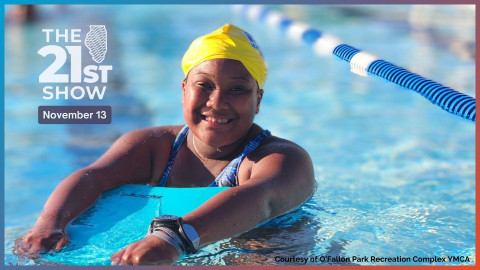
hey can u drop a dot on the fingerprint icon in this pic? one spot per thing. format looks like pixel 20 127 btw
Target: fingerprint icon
pixel 96 42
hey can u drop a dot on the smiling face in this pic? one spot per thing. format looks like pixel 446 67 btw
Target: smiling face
pixel 220 100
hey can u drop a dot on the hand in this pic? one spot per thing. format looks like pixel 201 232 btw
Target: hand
pixel 150 250
pixel 40 239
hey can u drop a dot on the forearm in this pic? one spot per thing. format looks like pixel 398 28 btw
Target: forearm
pixel 126 162
pixel 70 198
pixel 230 213
pixel 269 193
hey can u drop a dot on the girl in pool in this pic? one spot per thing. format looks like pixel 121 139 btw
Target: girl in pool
pixel 220 146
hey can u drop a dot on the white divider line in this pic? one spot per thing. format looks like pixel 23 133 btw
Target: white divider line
pixel 361 61
pixel 326 44
pixel 296 30
pixel 254 12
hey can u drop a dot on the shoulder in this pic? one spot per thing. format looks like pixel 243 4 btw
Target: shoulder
pixel 276 156
pixel 140 154
pixel 154 132
pixel 284 171
pixel 273 146
pixel 161 134
pixel 152 142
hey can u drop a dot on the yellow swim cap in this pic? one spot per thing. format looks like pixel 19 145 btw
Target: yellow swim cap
pixel 228 42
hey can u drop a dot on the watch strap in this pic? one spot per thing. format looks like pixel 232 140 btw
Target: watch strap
pixel 189 246
pixel 173 235
pixel 184 234
pixel 192 235
pixel 170 240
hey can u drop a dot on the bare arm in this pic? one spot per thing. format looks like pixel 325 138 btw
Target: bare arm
pixel 116 167
pixel 280 182
pixel 129 160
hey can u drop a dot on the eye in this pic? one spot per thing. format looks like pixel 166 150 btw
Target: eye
pixel 238 89
pixel 204 85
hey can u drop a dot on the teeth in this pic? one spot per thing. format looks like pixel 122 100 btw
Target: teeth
pixel 214 120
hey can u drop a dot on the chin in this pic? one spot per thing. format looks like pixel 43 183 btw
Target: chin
pixel 217 138
pixel 213 139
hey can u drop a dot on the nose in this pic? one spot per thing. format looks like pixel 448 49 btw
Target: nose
pixel 217 100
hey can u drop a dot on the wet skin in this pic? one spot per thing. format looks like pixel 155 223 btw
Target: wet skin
pixel 220 100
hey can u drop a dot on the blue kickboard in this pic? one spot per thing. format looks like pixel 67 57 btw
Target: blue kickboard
pixel 121 216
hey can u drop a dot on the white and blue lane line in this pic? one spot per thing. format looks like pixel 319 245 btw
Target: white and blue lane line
pixel 361 62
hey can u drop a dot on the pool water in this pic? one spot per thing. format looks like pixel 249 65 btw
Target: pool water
pixel 395 173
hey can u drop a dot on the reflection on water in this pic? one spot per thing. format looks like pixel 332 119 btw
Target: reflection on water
pixel 292 234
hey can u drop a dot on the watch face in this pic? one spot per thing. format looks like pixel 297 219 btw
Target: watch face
pixel 165 221
pixel 192 235
pixel 167 218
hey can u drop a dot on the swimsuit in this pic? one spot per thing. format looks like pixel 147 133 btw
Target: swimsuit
pixel 228 177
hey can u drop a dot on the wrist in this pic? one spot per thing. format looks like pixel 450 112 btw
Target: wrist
pixel 167 237
pixel 56 220
pixel 185 235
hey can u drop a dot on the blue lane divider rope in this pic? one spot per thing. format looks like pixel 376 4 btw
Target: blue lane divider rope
pixel 364 63
pixel 447 98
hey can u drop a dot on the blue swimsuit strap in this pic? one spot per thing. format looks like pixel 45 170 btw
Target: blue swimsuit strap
pixel 228 177
pixel 176 146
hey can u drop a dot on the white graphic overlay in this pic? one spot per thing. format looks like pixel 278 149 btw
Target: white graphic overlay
pixel 96 42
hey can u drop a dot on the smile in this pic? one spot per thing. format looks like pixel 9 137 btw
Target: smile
pixel 216 120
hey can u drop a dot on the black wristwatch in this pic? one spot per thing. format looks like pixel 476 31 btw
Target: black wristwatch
pixel 186 233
